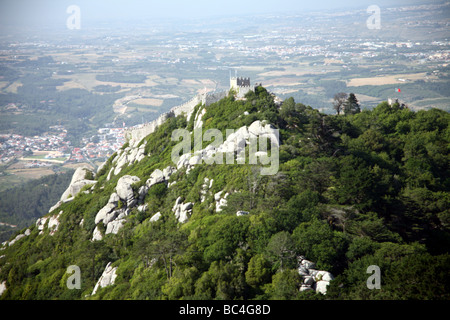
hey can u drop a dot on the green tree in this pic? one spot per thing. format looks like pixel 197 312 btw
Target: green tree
pixel 281 250
pixel 225 236
pixel 355 184
pixel 318 242
pixel 258 271
pixel 285 285
pixel 161 242
pixel 351 105
pixel 338 101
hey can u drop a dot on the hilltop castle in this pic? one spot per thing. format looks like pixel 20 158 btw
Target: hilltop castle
pixel 240 85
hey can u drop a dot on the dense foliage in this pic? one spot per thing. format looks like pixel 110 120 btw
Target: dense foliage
pixel 354 190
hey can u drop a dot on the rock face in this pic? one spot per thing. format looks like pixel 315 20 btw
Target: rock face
pixel 53 223
pixel 107 278
pixel 40 224
pixel 220 201
pixel 234 144
pixel 198 118
pixel 2 287
pixel 77 183
pixel 56 206
pixel 114 226
pixel 155 217
pixel 105 213
pixel 17 238
pixel 207 184
pixel 124 189
pixel 313 279
pixel 126 157
pixel 113 216
pixel 182 210
pixel 97 235
pixel 260 129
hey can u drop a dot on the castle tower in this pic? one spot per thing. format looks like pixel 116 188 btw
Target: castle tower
pixel 233 83
pixel 240 85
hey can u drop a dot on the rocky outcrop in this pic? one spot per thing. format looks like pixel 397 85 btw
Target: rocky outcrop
pixel 105 213
pixel 17 238
pixel 198 118
pixel 156 177
pixel 313 279
pixel 77 183
pixel 126 157
pixel 182 210
pixel 112 215
pixel 114 226
pixel 234 145
pixel 97 235
pixel 220 201
pixel 56 206
pixel 125 191
pixel 101 166
pixel 52 225
pixel 159 176
pixel 206 186
pixel 2 288
pixel 40 224
pixel 107 278
pixel 124 198
pixel 155 217
pixel 265 130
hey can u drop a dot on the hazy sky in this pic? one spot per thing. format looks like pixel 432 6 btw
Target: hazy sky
pixel 31 12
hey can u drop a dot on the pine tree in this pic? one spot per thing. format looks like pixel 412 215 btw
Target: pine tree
pixel 351 106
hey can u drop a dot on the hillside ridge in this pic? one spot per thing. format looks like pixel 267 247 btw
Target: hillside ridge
pixel 348 193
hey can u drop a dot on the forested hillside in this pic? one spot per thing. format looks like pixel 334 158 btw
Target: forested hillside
pixel 354 190
pixel 22 205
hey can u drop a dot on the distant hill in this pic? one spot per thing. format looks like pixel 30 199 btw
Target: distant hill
pixel 23 204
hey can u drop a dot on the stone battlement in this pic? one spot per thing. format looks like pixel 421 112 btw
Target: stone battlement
pixel 240 85
pixel 243 82
pixel 135 134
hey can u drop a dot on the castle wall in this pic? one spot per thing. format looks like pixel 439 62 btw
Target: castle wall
pixel 214 97
pixel 241 86
pixel 136 134
pixel 242 91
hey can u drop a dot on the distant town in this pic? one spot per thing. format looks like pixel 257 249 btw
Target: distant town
pixel 53 147
pixel 66 96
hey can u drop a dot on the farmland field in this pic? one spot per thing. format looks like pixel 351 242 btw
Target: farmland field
pixel 387 79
